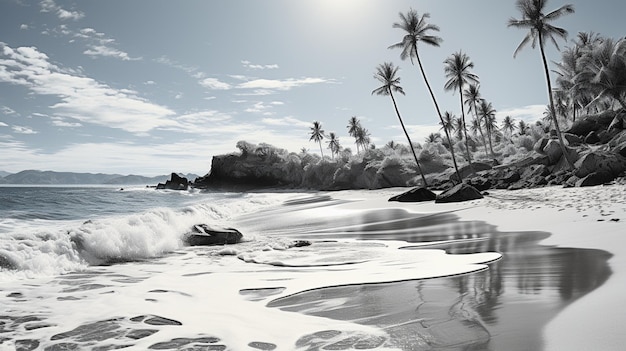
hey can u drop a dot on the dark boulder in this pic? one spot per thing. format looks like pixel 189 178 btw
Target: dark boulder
pixel 595 178
pixel 592 138
pixel 415 195
pixel 176 182
pixel 205 235
pixel 458 193
pixel 471 169
pixel 481 182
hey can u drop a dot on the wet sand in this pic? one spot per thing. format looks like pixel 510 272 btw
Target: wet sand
pixel 510 306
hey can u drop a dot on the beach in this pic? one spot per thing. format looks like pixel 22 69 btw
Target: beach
pixel 533 269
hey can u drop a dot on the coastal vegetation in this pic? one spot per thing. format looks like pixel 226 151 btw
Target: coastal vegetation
pixel 583 125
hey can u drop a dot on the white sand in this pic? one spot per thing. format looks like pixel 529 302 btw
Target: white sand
pixel 577 218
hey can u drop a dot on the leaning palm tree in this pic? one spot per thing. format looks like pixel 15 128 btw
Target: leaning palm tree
pixel 417 29
pixel 317 134
pixel 386 74
pixel 472 96
pixel 333 144
pixel 540 30
pixel 353 125
pixel 457 68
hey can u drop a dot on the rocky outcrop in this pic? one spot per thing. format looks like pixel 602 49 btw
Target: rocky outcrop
pixel 458 193
pixel 206 235
pixel 415 195
pixel 176 182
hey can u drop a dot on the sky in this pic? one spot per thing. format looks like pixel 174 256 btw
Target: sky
pixel 153 86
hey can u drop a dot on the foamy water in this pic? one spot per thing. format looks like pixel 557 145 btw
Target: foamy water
pixel 152 292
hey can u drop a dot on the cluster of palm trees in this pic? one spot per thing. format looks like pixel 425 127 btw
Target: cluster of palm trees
pixel 360 134
pixel 457 69
pixel 591 75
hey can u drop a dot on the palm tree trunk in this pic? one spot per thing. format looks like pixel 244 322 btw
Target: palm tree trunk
pixel 552 111
pixel 408 138
pixel 480 129
pixel 432 95
pixel 322 152
pixel 469 157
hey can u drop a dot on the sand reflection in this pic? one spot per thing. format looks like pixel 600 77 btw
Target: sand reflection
pixel 502 308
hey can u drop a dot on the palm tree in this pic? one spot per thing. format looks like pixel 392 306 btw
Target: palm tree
pixel 472 96
pixel 457 69
pixel 433 138
pixel 317 134
pixel 362 136
pixel 488 115
pixel 508 126
pixel 417 29
pixel 457 128
pixel 386 74
pixel 353 125
pixel 606 70
pixel 540 30
pixel 333 144
pixel 522 127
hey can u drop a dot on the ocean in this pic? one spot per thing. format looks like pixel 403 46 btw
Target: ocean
pixel 103 268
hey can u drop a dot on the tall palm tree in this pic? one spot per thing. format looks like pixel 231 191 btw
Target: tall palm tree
pixel 457 69
pixel 488 115
pixel 417 29
pixel 540 30
pixel 472 96
pixel 353 125
pixel 333 144
pixel 386 74
pixel 317 134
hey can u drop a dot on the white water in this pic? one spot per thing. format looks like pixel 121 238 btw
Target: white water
pixel 219 292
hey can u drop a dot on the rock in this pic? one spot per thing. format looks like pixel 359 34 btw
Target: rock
pixel 480 182
pixel 176 182
pixel 415 195
pixel 589 123
pixel 540 145
pixel 592 138
pixel 621 149
pixel 205 235
pixel 572 139
pixel 552 149
pixel 599 161
pixel 471 169
pixel 595 178
pixel 458 193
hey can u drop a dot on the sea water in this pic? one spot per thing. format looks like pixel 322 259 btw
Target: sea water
pixel 102 268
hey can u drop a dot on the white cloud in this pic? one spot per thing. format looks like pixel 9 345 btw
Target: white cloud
pixel 23 130
pixel 248 64
pixel 285 121
pixel 285 84
pixel 215 84
pixel 178 96
pixel 60 122
pixel 2 124
pixel 530 113
pixel 107 51
pixel 149 82
pixel 7 110
pixel 81 98
pixel 51 6
pixel 24 26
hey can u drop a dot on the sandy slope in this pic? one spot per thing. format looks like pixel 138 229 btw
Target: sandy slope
pixel 592 217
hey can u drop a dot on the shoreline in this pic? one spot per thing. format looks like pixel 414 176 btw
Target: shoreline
pixel 586 218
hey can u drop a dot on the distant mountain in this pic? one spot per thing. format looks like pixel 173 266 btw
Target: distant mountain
pixel 70 178
pixel 137 179
pixel 4 174
pixel 50 177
